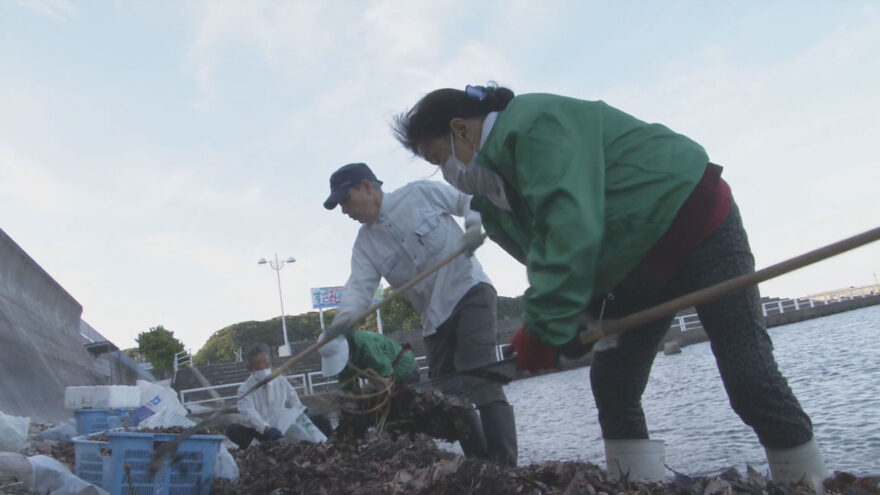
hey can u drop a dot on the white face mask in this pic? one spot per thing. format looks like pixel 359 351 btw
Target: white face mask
pixel 260 374
pixel 457 173
pixel 473 179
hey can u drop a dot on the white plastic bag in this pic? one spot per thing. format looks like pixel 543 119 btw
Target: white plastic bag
pixel 157 398
pixel 166 418
pixel 226 467
pixel 61 433
pixel 13 432
pixel 303 429
pixel 16 466
pixel 286 417
pixel 297 426
pixel 52 477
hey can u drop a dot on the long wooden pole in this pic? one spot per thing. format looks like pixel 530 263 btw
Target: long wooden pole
pixel 611 327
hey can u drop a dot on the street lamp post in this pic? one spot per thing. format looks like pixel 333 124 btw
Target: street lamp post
pixel 277 265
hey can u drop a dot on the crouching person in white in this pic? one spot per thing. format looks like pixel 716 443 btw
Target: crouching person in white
pixel 272 413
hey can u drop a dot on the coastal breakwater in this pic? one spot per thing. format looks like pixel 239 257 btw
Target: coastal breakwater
pixel 687 329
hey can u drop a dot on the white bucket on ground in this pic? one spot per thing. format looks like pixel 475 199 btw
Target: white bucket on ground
pixel 638 459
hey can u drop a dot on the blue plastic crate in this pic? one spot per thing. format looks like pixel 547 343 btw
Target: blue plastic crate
pixel 93 461
pixel 90 421
pixel 190 472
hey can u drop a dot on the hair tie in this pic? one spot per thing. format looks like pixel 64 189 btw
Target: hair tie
pixel 478 93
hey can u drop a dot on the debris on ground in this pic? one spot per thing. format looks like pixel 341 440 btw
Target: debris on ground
pixel 408 412
pixel 392 462
pixel 379 464
pixel 849 484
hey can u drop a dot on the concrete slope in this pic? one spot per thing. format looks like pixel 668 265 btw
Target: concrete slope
pixel 41 351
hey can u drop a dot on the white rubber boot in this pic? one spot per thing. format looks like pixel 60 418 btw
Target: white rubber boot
pixel 803 462
pixel 636 459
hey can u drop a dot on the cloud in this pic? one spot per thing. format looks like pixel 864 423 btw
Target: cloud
pixel 276 32
pixel 166 208
pixel 30 185
pixel 794 136
pixel 751 115
pixel 57 10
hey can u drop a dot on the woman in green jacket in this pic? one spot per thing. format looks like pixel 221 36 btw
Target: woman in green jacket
pixel 612 215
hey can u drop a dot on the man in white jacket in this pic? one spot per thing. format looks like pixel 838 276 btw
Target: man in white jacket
pixel 260 410
pixel 403 233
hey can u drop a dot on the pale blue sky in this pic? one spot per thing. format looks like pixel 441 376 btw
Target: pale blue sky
pixel 151 152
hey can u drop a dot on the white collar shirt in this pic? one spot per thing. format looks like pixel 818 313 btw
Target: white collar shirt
pixel 414 231
pixel 260 409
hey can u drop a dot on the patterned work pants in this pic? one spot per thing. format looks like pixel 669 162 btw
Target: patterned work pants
pixel 758 392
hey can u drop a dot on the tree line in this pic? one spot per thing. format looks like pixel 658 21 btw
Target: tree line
pixel 158 345
pixel 397 316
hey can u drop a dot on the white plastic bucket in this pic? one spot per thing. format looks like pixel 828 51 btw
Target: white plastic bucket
pixel 639 459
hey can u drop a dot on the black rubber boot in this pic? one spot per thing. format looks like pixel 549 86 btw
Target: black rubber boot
pixel 323 423
pixel 499 427
pixel 475 444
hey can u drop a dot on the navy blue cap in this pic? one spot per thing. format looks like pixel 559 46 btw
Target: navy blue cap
pixel 346 177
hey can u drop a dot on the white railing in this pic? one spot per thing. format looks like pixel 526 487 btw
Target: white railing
pixel 499 351
pixel 300 382
pixel 688 322
pixel 313 382
pixel 783 305
pixel 692 322
pixel 316 381
pixel 182 359
pixel 422 362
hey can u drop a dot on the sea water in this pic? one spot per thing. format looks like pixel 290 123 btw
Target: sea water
pixel 831 363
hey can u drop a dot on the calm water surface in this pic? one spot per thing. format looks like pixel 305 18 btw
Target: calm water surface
pixel 832 364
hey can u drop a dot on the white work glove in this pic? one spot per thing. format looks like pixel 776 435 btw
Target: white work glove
pixel 473 236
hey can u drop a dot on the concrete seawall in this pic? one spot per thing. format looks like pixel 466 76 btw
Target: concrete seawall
pixel 41 350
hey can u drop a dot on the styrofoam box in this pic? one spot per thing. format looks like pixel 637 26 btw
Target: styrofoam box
pixel 103 396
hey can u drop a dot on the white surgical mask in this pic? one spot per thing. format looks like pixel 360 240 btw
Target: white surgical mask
pixel 260 374
pixel 473 179
pixel 456 172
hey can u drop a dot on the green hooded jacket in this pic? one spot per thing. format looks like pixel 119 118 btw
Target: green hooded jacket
pixel 591 190
pixel 374 351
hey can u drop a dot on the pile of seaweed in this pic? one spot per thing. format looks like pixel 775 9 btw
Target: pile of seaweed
pixel 378 464
pixel 386 443
pixel 407 412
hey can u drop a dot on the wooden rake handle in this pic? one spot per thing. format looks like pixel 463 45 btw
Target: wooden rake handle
pixel 606 328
